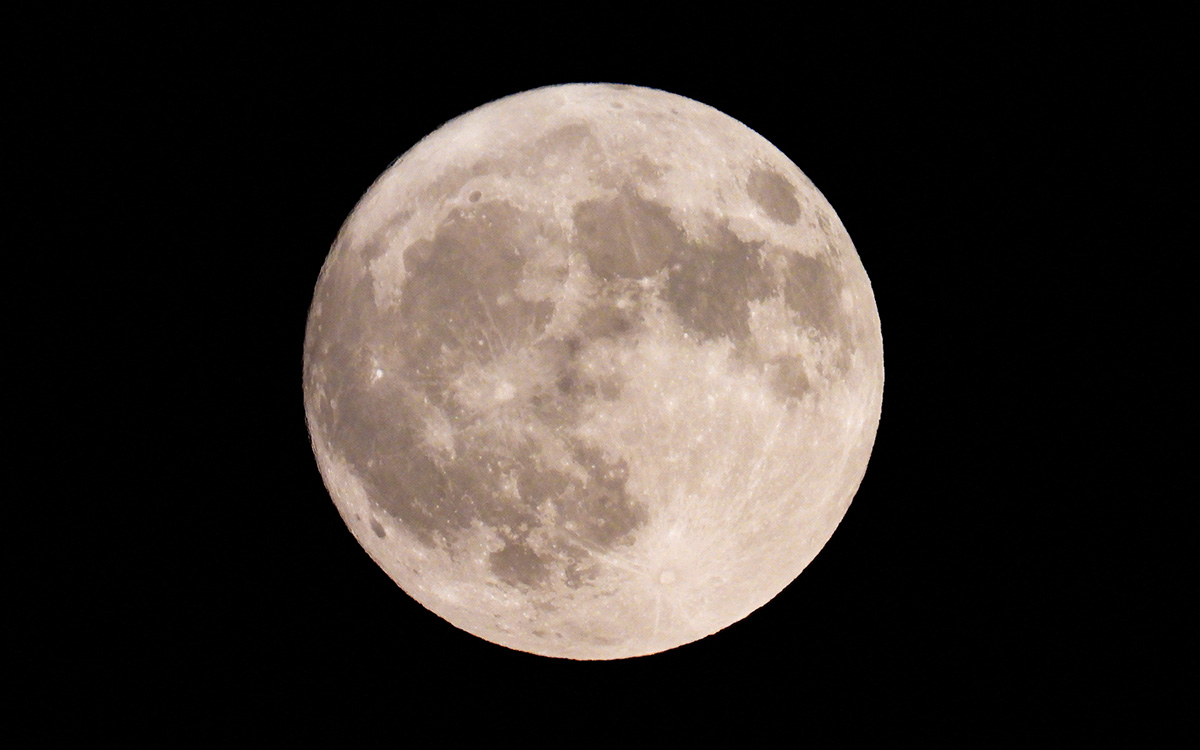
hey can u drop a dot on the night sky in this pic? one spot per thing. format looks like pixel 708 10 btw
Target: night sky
pixel 1001 565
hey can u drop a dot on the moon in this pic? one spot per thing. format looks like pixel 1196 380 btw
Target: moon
pixel 593 371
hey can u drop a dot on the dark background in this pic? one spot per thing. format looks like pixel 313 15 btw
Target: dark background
pixel 1011 564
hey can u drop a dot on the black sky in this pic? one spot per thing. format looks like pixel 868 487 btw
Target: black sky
pixel 998 178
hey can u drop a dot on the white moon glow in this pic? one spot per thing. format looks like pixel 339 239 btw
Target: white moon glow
pixel 593 371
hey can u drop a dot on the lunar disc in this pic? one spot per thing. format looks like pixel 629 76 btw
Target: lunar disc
pixel 593 371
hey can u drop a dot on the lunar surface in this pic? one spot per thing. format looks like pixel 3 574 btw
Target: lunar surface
pixel 593 371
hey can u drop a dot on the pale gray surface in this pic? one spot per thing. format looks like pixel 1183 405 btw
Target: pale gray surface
pixel 593 371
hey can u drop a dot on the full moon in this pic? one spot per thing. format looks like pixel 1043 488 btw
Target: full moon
pixel 593 371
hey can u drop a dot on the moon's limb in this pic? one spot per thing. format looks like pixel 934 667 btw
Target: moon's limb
pixel 593 371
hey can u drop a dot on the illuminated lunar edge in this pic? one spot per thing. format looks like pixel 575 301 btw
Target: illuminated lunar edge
pixel 593 371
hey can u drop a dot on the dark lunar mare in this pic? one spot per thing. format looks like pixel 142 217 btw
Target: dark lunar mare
pixel 710 286
pixel 774 195
pixel 460 309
